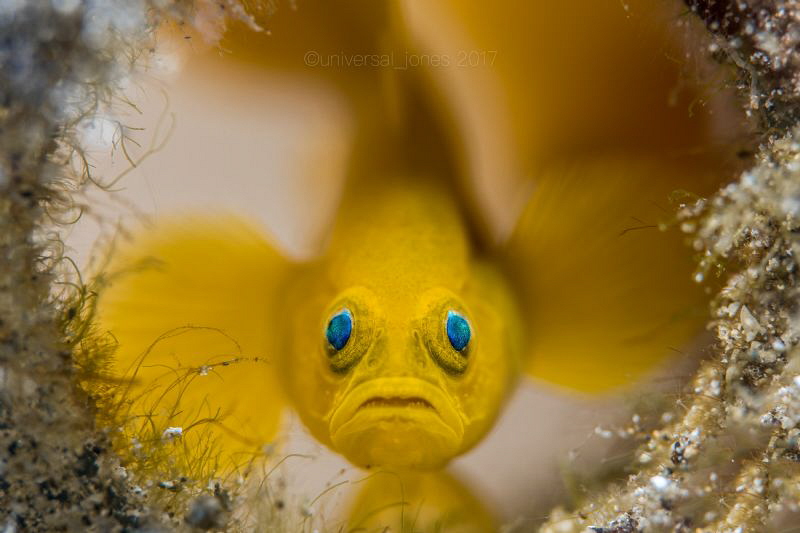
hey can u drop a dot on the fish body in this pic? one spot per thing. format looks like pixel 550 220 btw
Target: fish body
pixel 399 344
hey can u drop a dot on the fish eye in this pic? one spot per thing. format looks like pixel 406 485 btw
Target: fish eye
pixel 458 331
pixel 448 333
pixel 349 328
pixel 339 329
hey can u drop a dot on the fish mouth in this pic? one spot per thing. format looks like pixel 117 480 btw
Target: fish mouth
pixel 383 420
pixel 415 402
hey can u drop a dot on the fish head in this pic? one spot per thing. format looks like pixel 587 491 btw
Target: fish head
pixel 401 354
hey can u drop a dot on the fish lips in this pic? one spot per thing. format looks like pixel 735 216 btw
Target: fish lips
pixel 397 422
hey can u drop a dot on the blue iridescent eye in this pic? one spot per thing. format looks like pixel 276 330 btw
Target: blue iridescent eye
pixel 457 331
pixel 339 329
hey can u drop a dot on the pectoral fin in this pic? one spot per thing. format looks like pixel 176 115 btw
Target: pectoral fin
pixel 604 272
pixel 193 309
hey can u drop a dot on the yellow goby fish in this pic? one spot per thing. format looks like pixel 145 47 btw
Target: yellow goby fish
pixel 399 344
